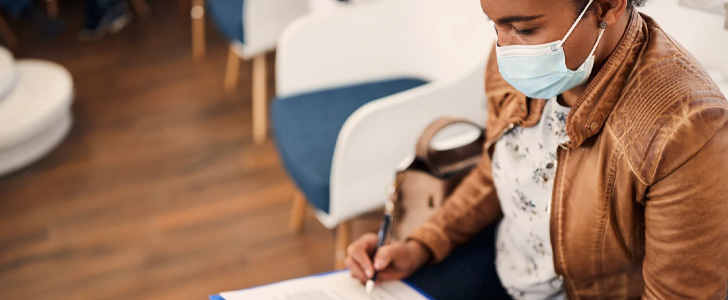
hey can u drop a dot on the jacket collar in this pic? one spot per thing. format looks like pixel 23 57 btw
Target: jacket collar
pixel 593 107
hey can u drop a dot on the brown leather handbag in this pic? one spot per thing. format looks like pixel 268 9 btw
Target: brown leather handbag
pixel 423 186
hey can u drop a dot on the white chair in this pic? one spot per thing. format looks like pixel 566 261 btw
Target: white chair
pixel 445 43
pixel 35 110
pixel 253 28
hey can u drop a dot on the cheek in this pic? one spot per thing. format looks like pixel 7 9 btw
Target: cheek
pixel 578 46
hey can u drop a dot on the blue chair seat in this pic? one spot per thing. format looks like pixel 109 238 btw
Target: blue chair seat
pixel 228 17
pixel 307 126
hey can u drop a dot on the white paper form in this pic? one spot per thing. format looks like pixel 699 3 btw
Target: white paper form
pixel 332 286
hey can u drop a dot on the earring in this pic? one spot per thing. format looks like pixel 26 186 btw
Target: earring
pixel 603 25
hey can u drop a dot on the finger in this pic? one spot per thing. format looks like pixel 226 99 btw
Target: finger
pixel 364 243
pixel 362 259
pixel 370 241
pixel 394 254
pixel 355 270
pixel 384 257
pixel 361 251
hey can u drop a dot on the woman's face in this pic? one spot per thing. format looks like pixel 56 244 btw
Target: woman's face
pixel 532 22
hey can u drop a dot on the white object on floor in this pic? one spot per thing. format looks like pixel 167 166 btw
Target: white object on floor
pixel 35 114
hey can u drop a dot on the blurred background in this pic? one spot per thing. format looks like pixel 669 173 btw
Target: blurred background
pixel 161 149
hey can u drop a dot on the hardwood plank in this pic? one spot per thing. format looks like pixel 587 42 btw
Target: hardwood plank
pixel 159 191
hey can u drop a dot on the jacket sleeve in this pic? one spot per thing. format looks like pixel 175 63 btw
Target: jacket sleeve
pixel 686 213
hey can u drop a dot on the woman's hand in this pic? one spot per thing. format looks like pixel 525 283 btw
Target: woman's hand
pixel 394 261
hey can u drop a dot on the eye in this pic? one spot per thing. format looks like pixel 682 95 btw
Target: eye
pixel 523 31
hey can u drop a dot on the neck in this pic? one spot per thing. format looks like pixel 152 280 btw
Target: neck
pixel 609 42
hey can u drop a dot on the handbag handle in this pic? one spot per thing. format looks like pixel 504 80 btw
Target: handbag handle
pixel 424 149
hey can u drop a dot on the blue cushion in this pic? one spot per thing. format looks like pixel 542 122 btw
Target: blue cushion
pixel 228 16
pixel 307 126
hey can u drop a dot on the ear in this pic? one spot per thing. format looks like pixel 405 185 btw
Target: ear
pixel 610 10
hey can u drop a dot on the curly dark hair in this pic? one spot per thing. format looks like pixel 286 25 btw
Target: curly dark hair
pixel 579 4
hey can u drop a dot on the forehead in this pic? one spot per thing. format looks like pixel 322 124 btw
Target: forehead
pixel 501 8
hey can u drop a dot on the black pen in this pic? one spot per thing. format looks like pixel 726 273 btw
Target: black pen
pixel 382 238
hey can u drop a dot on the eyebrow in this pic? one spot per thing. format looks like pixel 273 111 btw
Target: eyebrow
pixel 511 19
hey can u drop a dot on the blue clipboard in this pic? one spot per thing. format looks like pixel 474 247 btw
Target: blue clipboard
pixel 218 297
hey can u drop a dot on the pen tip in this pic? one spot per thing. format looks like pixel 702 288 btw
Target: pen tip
pixel 370 287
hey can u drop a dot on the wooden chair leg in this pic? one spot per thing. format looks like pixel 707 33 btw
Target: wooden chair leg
pixel 11 41
pixel 183 7
pixel 197 13
pixel 52 8
pixel 298 212
pixel 141 7
pixel 260 102
pixel 343 232
pixel 232 70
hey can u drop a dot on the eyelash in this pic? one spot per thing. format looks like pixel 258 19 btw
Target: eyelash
pixel 523 32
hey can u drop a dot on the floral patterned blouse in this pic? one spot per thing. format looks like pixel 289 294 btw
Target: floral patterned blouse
pixel 524 165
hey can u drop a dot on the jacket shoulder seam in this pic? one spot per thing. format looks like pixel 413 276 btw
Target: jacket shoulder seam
pixel 673 130
pixel 623 150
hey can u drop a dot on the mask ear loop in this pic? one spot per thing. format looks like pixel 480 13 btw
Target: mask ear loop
pixel 603 26
pixel 561 44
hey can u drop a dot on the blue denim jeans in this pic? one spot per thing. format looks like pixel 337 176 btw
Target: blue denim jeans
pixel 467 273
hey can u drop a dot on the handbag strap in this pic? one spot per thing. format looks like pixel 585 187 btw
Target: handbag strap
pixel 424 149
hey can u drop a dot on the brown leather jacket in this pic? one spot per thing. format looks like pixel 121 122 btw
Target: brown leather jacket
pixel 640 198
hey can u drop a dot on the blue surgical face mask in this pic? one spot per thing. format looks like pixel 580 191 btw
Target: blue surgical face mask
pixel 540 71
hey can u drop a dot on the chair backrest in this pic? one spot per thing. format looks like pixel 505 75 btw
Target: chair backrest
pixel 456 32
pixel 265 21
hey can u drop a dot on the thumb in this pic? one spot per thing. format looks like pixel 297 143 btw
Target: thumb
pixel 384 257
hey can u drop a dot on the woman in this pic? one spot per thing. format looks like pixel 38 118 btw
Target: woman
pixel 604 175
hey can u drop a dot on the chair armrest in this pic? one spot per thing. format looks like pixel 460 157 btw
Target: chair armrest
pixel 378 136
pixel 265 21
pixel 351 45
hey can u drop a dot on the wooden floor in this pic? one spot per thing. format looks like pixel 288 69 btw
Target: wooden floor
pixel 158 192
